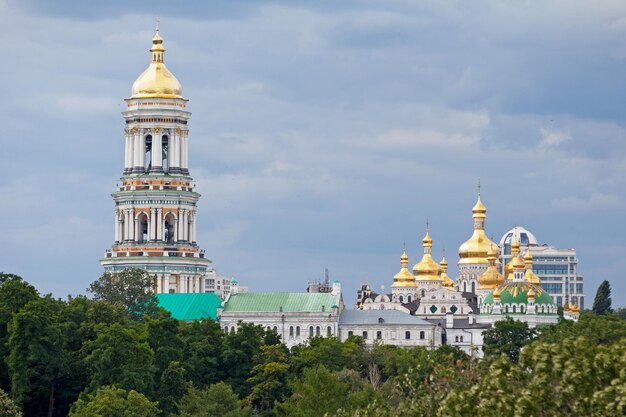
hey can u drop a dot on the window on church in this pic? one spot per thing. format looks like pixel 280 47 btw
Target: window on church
pixel 456 339
pixel 329 332
pixel 350 333
pixel 365 335
pixel 407 335
pixel 165 153
pixel 318 331
pixel 379 335
pixel 297 331
pixel 290 331
pixel 311 334
pixel 148 152
pixel 461 339
pixel 422 335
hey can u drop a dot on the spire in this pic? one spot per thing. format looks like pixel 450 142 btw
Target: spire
pixel 157 49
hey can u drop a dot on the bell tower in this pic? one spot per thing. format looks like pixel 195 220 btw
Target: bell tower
pixel 156 200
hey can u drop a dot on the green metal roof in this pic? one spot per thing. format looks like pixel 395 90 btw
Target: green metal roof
pixel 188 307
pixel 513 292
pixel 290 302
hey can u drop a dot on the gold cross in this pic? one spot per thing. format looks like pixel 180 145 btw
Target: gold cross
pixel 157 24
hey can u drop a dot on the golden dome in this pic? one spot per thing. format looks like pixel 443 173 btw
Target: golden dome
pixel 574 308
pixel 531 293
pixel 427 269
pixel 491 278
pixel 404 278
pixel 474 250
pixel 517 263
pixel 508 268
pixel 496 292
pixel 157 81
pixel 529 274
pixel 446 280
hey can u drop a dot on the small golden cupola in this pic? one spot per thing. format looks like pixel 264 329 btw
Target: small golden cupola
pixel 157 81
pixel 446 280
pixel 404 278
pixel 519 268
pixel 474 250
pixel 508 268
pixel 491 278
pixel 530 275
pixel 427 269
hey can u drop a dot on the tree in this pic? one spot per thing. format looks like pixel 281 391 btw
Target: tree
pixel 111 401
pixel 240 349
pixel 507 337
pixel 602 302
pixel 269 378
pixel 37 357
pixel 217 400
pixel 8 407
pixel 14 294
pixel 164 339
pixel 120 356
pixel 131 288
pixel 318 391
pixel 202 352
pixel 172 387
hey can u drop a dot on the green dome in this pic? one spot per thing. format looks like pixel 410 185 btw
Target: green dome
pixel 516 292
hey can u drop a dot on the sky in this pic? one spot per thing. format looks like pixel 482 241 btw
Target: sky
pixel 323 134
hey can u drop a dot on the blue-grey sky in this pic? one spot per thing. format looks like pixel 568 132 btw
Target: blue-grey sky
pixel 323 133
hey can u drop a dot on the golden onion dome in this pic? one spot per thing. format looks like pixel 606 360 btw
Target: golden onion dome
pixel 531 293
pixel 508 268
pixel 517 263
pixel 427 269
pixel 157 81
pixel 446 280
pixel 491 278
pixel 574 308
pixel 496 292
pixel 474 250
pixel 529 274
pixel 404 278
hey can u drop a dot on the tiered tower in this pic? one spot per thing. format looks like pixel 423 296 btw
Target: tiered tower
pixel 473 256
pixel 155 203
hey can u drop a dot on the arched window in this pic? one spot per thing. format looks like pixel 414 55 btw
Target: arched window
pixel 407 335
pixel 365 335
pixel 465 287
pixel 142 221
pixel 473 286
pixel 379 335
pixel 148 153
pixel 456 338
pixel 401 299
pixel 226 329
pixel 422 335
pixel 506 308
pixel 311 331
pixel 329 331
pixel 350 333
pixel 461 339
pixel 408 299
pixel 318 331
pixel 275 329
pixel 297 331
pixel 169 229
pixel 521 309
pixel 165 153
pixel 423 293
pixel 290 331
pixel 514 309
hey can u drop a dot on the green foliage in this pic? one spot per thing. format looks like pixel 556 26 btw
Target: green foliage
pixel 269 378
pixel 602 302
pixel 331 353
pixel 109 401
pixel 7 407
pixel 172 387
pixel 202 352
pixel 131 288
pixel 240 349
pixel 120 356
pixel 217 400
pixel 318 391
pixel 601 330
pixel 37 357
pixel 14 294
pixel 507 337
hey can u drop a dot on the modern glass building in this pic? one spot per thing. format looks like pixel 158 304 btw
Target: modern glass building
pixel 557 268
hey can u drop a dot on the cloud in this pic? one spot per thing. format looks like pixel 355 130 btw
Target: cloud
pixel 552 138
pixel 594 201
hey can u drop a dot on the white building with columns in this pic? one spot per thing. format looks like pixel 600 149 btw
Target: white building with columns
pixel 156 200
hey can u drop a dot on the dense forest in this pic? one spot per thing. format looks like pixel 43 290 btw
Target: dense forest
pixel 118 354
